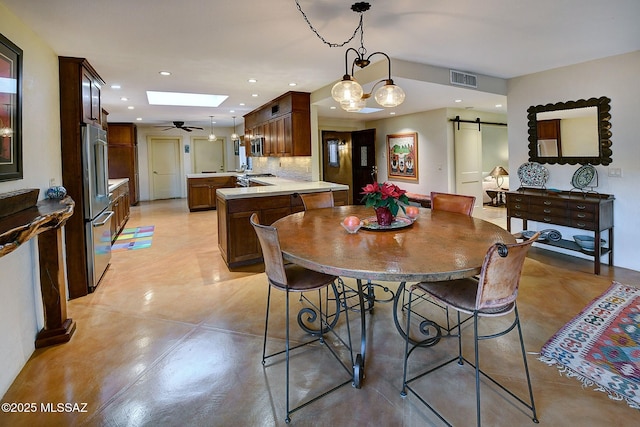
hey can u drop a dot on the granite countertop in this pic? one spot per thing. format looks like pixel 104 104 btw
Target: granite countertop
pixel 274 186
pixel 213 174
pixel 116 182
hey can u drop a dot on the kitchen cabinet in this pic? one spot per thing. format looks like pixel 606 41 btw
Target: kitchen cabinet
pixel 201 192
pixel 285 124
pixel 122 139
pixel 237 240
pixel 121 207
pixel 79 104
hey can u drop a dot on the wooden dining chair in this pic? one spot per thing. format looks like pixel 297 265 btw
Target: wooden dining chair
pixel 320 200
pixel 294 278
pixel 457 203
pixel 492 294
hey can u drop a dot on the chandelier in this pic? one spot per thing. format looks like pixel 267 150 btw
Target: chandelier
pixel 212 136
pixel 348 92
pixel 234 135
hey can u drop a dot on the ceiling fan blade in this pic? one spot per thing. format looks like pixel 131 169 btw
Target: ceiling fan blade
pixel 186 129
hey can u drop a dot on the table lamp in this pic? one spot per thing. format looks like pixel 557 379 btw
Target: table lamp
pixel 499 173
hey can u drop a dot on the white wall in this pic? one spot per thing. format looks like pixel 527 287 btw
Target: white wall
pixel 20 304
pixel 616 78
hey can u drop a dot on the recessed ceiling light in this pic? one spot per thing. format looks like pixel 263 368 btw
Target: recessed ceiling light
pixel 115 86
pixel 139 119
pixel 293 84
pixel 124 98
pixel 185 99
pixel 392 113
pixel 232 111
pixel 131 107
pixel 165 73
pixel 252 81
pixel 333 107
pixel 498 105
pixel 242 104
pixel 458 100
pixel 255 95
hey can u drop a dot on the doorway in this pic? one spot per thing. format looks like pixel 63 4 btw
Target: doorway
pixel 365 170
pixel 164 167
pixel 208 156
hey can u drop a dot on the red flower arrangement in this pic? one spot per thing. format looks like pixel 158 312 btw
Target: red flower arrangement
pixel 386 195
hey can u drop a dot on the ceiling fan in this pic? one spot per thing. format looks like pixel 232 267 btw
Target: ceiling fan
pixel 180 125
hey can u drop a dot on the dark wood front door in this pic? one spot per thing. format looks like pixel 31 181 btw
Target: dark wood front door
pixel 364 161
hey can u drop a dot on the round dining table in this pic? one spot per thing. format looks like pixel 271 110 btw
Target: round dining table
pixel 436 246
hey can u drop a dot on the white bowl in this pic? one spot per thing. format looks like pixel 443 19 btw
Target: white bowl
pixel 587 242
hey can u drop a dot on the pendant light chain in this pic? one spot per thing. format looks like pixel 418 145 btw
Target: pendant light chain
pixel 330 44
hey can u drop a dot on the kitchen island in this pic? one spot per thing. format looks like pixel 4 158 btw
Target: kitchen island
pixel 271 198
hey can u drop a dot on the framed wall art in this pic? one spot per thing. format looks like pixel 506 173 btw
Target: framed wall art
pixel 10 110
pixel 402 159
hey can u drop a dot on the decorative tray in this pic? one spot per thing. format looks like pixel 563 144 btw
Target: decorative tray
pixel 583 176
pixel 399 222
pixel 533 174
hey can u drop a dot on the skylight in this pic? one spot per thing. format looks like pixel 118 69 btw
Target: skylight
pixel 369 110
pixel 185 99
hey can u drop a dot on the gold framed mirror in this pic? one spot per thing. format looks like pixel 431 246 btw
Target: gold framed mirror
pixel 572 132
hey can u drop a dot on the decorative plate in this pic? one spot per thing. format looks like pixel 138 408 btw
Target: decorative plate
pixel 533 174
pixel 399 222
pixel 583 176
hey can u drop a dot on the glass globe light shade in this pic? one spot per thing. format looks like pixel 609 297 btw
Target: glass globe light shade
pixel 346 90
pixel 353 106
pixel 212 137
pixel 234 136
pixel 389 95
pixel 6 132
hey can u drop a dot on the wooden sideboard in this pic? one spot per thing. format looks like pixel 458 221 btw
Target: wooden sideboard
pixel 591 212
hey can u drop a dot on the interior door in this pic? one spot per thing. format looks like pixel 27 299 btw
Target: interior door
pixel 363 161
pixel 468 160
pixel 208 156
pixel 164 154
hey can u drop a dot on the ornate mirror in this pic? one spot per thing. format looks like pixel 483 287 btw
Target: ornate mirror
pixel 572 132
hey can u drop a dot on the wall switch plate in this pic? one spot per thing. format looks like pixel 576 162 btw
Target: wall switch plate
pixel 615 172
pixel 52 182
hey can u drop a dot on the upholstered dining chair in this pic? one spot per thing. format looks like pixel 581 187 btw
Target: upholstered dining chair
pixel 293 278
pixel 492 294
pixel 320 200
pixel 457 203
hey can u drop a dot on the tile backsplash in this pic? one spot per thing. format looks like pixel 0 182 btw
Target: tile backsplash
pixel 298 168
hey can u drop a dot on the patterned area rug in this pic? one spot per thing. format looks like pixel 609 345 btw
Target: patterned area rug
pixel 601 345
pixel 133 238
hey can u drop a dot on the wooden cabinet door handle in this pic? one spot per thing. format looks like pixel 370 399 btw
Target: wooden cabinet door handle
pixel 547 211
pixel 546 202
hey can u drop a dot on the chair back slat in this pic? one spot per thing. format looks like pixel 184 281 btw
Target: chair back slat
pixel 457 203
pixel 500 275
pixel 317 200
pixel 271 252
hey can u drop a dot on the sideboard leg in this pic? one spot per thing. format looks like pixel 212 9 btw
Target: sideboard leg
pixel 57 327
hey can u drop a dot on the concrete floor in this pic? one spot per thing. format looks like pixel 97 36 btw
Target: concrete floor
pixel 171 337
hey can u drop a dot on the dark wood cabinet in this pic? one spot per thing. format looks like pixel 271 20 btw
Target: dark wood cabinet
pixel 201 192
pixel 237 241
pixel 591 212
pixel 79 104
pixel 285 124
pixel 123 156
pixel 121 208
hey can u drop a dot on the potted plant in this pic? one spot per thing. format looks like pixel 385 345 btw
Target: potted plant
pixel 386 198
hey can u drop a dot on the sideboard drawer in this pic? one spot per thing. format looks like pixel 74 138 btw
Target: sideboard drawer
pixel 580 206
pixel 549 202
pixel 549 219
pixel 548 210
pixel 582 215
pixel 585 225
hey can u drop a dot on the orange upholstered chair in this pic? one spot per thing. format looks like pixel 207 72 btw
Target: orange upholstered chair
pixel 457 203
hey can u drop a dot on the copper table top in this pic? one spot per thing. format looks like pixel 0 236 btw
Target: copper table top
pixel 437 246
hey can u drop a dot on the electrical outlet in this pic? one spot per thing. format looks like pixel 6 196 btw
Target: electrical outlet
pixel 615 172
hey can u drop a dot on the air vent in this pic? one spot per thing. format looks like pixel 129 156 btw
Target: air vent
pixel 463 79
